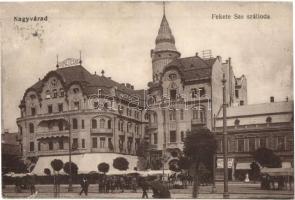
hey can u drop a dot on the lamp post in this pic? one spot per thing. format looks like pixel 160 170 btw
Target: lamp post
pixel 225 184
pixel 70 189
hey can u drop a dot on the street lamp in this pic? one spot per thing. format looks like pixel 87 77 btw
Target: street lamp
pixel 225 184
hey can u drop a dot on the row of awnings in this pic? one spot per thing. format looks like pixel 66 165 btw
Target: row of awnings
pixel 247 165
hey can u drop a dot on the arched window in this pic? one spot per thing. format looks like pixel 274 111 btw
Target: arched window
pixel 62 92
pixel 237 122
pixel 48 94
pixel 102 123
pixel 75 123
pixel 94 123
pixel 109 124
pixel 268 120
pixel 31 126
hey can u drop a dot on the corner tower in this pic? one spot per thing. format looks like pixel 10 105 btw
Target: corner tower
pixel 165 50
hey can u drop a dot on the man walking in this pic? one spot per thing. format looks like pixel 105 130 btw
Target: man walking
pixel 84 186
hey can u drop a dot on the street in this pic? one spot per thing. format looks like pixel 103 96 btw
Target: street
pixel 237 190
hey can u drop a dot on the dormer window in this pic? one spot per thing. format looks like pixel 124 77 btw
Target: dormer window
pixel 48 96
pixel 76 90
pixel 54 93
pixel 172 77
pixel 62 92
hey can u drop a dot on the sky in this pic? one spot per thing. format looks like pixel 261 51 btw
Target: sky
pixel 117 37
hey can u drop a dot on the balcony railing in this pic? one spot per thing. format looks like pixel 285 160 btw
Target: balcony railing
pixel 101 131
pixel 53 133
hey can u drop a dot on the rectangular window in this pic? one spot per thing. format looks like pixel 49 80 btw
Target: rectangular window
pixel 237 93
pixel 50 145
pixel 172 136
pixel 49 108
pixel 202 91
pixel 75 143
pixel 94 142
pixel 61 144
pixel 83 143
pixel 241 103
pixel 251 144
pixel 181 114
pixel 219 146
pixel 281 143
pixel 241 146
pixel 39 146
pixel 82 124
pixel 194 92
pixel 32 145
pixel 76 105
pixel 173 94
pixel 33 111
pixel 155 138
pixel 60 107
pixel 102 142
pixel 182 136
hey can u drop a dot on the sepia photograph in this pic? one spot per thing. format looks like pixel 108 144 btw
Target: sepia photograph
pixel 147 99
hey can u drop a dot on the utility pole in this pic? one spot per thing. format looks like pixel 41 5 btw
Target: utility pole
pixel 225 180
pixel 70 189
pixel 214 166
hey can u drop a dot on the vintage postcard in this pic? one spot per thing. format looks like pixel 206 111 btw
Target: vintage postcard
pixel 147 100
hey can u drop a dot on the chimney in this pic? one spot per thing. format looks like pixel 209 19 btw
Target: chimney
pixel 272 99
pixel 197 54
pixel 229 61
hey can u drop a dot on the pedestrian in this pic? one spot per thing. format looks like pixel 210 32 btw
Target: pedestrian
pixel 144 185
pixel 31 182
pixel 84 185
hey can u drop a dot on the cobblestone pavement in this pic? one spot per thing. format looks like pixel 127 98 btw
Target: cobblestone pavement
pixel 236 190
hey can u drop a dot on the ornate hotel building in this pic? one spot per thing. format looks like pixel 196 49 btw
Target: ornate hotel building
pixel 100 115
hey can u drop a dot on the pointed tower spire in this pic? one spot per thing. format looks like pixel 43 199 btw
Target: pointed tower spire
pixel 165 50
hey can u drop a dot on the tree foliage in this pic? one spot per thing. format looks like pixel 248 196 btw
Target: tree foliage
pixel 199 147
pixel 57 165
pixel 103 167
pixel 121 163
pixel 173 165
pixel 74 168
pixel 266 158
pixel 255 170
pixel 47 171
pixel 184 163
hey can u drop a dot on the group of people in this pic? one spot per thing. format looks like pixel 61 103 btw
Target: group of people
pixel 118 183
pixel 268 182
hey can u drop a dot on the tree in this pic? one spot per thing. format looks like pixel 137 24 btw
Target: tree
pixel 184 163
pixel 121 163
pixel 47 171
pixel 199 147
pixel 74 168
pixel 173 165
pixel 266 158
pixel 56 165
pixel 103 167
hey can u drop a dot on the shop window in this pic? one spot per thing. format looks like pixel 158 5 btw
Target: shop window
pixel 83 143
pixel 102 142
pixel 50 145
pixel 61 144
pixel 94 142
pixel 155 138
pixel 49 108
pixel 60 107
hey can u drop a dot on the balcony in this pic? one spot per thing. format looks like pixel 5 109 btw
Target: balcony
pixel 153 125
pixel 101 131
pixel 64 133
pixel 60 152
